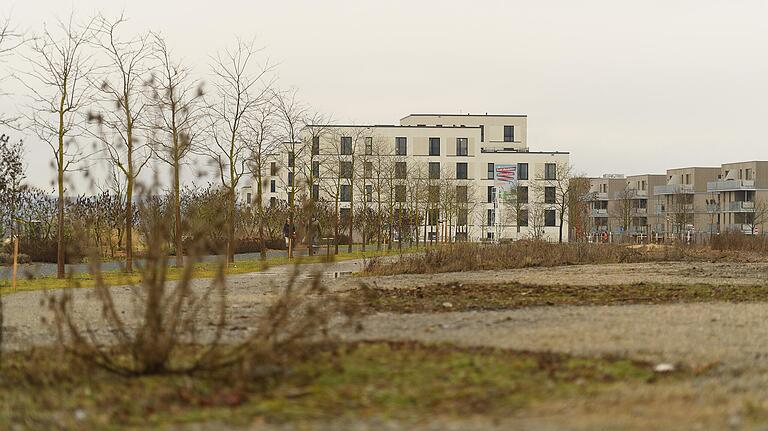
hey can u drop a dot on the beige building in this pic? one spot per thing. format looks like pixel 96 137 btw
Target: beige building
pixel 739 196
pixel 620 205
pixel 683 203
pixel 459 176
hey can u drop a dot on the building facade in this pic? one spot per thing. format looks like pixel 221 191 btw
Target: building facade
pixel 683 202
pixel 449 177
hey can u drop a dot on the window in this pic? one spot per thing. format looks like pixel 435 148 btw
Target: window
pixel 273 168
pixel 315 192
pixel 434 216
pixel 491 194
pixel 248 198
pixel 272 186
pixel 368 170
pixel 522 195
pixel 345 169
pixel 491 218
pixel 482 133
pixel 434 146
pixel 400 193
pixel 315 145
pixel 290 197
pixel 434 170
pixel 345 193
pixel 461 194
pixel 549 218
pixel 368 146
pixel 272 202
pixel 401 170
pixel 315 168
pixel 461 217
pixel 369 193
pixel 522 171
pixel 344 215
pixel 509 133
pixel 462 146
pixel 434 194
pixel 491 170
pixel 290 179
pixel 549 195
pixel 550 171
pixel 291 159
pixel 401 146
pixel 346 145
pixel 522 218
pixel 461 171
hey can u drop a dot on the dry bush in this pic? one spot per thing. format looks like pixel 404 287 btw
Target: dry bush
pixel 181 326
pixel 737 241
pixel 522 254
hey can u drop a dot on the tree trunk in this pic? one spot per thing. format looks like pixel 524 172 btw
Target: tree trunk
pixel 177 215
pixel 262 242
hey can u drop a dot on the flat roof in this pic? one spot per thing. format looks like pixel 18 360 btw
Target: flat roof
pixel 500 150
pixel 371 126
pixel 465 115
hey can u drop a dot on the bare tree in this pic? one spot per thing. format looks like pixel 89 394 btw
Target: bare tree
pixel 177 109
pixel 10 39
pixel 622 210
pixel 123 117
pixel 240 90
pixel 578 208
pixel 262 136
pixel 58 87
pixel 758 217
pixel 561 181
pixel 291 119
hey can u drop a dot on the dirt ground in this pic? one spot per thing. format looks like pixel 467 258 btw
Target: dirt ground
pixel 729 338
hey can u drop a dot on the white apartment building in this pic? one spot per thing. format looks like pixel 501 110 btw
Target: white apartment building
pixel 456 177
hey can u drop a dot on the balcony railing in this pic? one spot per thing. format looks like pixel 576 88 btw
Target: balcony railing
pixel 742 206
pixel 738 227
pixel 599 213
pixel 727 185
pixel 673 189
pixel 639 211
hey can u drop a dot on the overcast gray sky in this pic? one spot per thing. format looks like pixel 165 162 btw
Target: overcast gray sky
pixel 627 87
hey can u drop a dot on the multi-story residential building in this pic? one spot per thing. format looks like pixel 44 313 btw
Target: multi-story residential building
pixel 739 197
pixel 635 204
pixel 451 176
pixel 683 203
pixel 602 202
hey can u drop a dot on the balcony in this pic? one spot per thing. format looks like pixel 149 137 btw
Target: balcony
pixel 673 189
pixel 639 211
pixel 713 208
pixel 730 185
pixel 599 213
pixel 740 206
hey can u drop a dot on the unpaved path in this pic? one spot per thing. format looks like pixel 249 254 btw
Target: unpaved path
pixel 690 333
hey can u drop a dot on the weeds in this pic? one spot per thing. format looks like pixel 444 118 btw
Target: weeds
pixel 459 257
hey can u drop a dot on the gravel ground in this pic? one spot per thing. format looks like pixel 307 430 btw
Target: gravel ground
pixel 734 337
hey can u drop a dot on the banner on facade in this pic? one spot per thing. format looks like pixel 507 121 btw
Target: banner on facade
pixel 506 181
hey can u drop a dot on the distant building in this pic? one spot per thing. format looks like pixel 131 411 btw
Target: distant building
pixel 456 177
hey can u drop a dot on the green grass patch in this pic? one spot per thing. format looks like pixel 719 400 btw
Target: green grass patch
pixel 402 381
pixel 469 297
pixel 201 270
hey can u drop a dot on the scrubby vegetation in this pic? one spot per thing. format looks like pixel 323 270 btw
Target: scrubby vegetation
pixel 523 254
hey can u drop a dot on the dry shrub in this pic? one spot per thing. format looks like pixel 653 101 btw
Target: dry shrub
pixel 737 241
pixel 180 327
pixel 522 254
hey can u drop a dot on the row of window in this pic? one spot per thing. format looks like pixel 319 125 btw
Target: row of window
pixel 401 147
pixel 462 170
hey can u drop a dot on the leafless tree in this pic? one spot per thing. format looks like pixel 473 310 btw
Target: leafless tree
pixel 261 127
pixel 241 87
pixel 578 209
pixel 622 210
pixel 561 182
pixel 123 117
pixel 176 100
pixel 58 86
pixel 757 218
pixel 10 40
pixel 291 114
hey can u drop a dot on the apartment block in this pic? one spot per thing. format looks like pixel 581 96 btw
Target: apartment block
pixel 683 204
pixel 620 205
pixel 738 197
pixel 458 176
